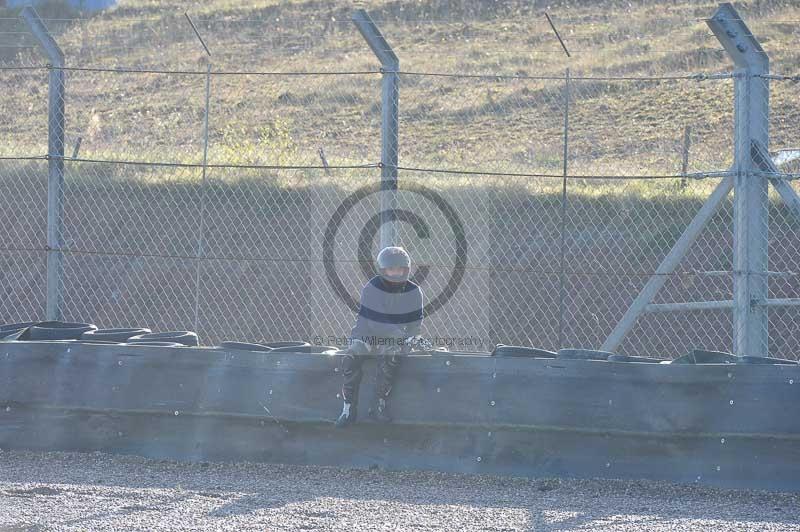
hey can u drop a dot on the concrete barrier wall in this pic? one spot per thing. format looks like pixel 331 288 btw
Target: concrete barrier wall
pixel 730 425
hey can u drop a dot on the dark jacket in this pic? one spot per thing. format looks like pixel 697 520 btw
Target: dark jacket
pixel 388 311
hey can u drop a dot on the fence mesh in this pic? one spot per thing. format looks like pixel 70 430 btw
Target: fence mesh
pixel 535 208
pixel 23 215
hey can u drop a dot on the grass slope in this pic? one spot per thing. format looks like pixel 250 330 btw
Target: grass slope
pixel 493 124
pixel 616 231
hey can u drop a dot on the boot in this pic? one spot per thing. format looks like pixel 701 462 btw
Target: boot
pixel 347 417
pixel 379 413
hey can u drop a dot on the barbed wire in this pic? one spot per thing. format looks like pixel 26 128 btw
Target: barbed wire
pixel 778 175
pixel 221 165
pixel 128 70
pixel 695 77
pixel 363 166
pixel 694 175
pixel 583 19
pixel 779 77
pixel 23 67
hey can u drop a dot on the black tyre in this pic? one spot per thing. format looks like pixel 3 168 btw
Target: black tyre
pixel 187 338
pixel 624 358
pixel 289 343
pixel 58 330
pixel 305 349
pixel 766 360
pixel 502 350
pixel 16 326
pixel 155 343
pixel 244 346
pixel 437 352
pixel 10 335
pixel 114 335
pixel 702 356
pixel 583 354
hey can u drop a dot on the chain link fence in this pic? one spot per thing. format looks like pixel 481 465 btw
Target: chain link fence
pixel 243 203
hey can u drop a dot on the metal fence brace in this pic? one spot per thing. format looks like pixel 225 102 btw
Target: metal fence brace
pixel 751 206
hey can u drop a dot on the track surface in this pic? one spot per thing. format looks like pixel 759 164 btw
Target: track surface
pixel 70 491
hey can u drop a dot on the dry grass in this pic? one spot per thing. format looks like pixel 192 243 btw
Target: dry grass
pixel 493 124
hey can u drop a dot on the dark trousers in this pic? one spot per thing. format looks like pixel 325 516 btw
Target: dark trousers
pixel 386 368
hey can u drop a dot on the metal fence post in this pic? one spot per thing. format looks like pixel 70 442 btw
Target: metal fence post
pixel 390 65
pixel 563 250
pixel 203 185
pixel 751 201
pixel 55 157
pixel 750 223
pixel 687 143
pixel 203 182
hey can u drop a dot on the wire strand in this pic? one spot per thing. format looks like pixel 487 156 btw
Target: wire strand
pixel 272 259
pixel 607 177
pixel 698 175
pixel 42 67
pixel 124 70
pixel 497 76
pixel 695 77
pixel 233 166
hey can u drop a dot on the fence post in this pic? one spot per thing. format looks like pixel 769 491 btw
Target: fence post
pixel 203 182
pixel 687 143
pixel 563 250
pixel 390 65
pixel 203 186
pixel 55 157
pixel 751 201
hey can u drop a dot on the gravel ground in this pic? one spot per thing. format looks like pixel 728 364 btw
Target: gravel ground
pixel 70 491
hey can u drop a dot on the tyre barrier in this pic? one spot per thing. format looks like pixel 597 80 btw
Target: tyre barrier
pixel 186 338
pixel 703 356
pixel 444 351
pixel 441 351
pixel 46 342
pixel 16 326
pixel 318 349
pixel 12 333
pixel 287 343
pixel 766 360
pixel 503 350
pixel 244 346
pixel 119 335
pixel 7 335
pixel 155 343
pixel 86 333
pixel 626 358
pixel 583 354
pixel 57 330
